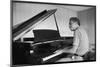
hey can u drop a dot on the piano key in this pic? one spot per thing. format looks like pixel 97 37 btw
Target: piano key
pixel 51 56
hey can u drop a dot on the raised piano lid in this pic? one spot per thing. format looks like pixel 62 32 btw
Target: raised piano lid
pixel 28 25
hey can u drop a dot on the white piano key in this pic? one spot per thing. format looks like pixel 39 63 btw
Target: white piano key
pixel 51 56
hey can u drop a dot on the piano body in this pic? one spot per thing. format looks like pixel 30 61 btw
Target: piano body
pixel 41 48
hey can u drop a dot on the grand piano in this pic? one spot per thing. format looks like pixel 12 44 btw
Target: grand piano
pixel 41 48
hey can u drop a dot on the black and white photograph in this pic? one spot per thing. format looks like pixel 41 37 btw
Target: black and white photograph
pixel 52 33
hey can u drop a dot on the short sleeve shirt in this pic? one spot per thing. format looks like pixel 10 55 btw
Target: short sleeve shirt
pixel 81 40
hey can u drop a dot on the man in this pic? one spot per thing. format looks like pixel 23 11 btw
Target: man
pixel 80 41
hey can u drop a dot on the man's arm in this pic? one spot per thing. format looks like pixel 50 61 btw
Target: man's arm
pixel 75 45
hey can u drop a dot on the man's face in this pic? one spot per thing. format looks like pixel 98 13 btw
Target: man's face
pixel 73 25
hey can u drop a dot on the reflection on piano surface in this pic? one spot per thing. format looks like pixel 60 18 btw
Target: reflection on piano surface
pixel 41 48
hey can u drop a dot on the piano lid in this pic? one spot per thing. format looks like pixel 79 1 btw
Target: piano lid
pixel 28 25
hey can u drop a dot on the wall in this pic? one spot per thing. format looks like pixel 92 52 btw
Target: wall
pixel 24 11
pixel 87 19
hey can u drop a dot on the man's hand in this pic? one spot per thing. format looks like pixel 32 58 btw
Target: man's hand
pixel 59 51
pixel 65 50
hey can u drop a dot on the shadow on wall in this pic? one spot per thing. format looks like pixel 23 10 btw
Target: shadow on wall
pixel 87 19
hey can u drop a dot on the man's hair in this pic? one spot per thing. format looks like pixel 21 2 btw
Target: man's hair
pixel 75 19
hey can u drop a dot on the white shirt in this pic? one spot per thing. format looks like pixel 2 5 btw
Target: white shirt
pixel 81 40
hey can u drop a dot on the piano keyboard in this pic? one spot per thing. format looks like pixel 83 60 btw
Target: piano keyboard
pixel 51 56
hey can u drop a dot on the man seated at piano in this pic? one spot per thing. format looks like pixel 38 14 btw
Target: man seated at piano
pixel 80 42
